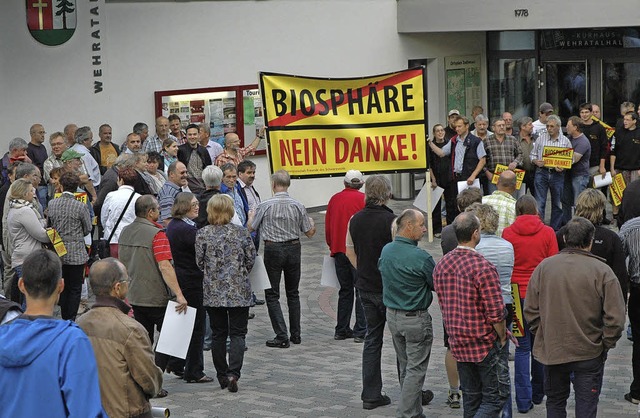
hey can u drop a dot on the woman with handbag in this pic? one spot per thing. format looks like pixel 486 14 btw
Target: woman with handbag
pixel 118 209
pixel 25 228
pixel 71 219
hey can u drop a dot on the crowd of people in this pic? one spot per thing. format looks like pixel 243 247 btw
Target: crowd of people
pixel 178 218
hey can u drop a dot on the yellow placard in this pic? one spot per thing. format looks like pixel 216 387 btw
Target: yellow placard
pixel 500 168
pixel 558 157
pixel 56 240
pixel 80 196
pixel 517 326
pixel 617 189
pixel 325 127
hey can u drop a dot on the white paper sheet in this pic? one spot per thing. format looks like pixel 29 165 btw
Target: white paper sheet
pixel 258 276
pixel 463 185
pixel 176 331
pixel 329 278
pixel 421 199
pixel 598 181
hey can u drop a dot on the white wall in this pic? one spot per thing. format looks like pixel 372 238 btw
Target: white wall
pixel 490 15
pixel 163 46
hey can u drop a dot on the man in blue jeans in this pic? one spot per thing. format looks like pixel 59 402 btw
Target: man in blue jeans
pixel 369 230
pixel 578 288
pixel 549 178
pixel 576 179
pixel 468 288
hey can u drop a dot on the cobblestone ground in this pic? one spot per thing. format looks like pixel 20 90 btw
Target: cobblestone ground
pixel 322 377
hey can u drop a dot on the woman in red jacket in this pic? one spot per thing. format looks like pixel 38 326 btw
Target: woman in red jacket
pixel 532 242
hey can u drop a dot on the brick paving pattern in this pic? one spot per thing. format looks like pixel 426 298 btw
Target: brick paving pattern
pixel 322 377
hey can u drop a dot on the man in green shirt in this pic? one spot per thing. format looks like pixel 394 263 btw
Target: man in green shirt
pixel 407 284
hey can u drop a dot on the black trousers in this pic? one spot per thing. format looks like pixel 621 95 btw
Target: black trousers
pixel 150 318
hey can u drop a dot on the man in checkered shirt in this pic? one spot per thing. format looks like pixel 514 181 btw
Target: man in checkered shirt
pixel 468 288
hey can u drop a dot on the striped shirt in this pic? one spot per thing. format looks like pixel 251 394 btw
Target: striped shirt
pixel 281 218
pixel 630 236
pixel 160 245
pixel 544 140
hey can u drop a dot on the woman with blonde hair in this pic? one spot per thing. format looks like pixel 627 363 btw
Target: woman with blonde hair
pixel 225 253
pixel 25 227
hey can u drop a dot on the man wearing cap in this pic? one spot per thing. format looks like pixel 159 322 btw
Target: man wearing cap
pixel 342 206
pixel 450 129
pixel 541 124
pixel 72 161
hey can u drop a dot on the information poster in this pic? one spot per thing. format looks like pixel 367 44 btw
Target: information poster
pixel 464 89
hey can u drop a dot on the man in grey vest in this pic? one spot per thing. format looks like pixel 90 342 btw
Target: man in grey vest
pixel 144 249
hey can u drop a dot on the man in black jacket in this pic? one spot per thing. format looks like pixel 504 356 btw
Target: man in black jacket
pixel 195 157
pixel 369 230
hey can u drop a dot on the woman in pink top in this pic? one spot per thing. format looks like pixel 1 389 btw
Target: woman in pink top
pixel 532 242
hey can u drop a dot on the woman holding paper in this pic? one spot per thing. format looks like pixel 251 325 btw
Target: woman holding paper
pixel 25 229
pixel 181 233
pixel 225 253
pixel 71 219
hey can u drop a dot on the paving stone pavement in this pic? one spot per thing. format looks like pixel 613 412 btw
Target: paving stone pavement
pixel 322 377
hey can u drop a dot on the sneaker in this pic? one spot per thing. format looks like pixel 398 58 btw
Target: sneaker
pixel 453 400
pixel 382 401
pixel 427 397
pixel 295 340
pixel 359 340
pixel 629 398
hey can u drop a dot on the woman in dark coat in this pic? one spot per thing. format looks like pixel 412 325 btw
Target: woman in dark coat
pixel 181 233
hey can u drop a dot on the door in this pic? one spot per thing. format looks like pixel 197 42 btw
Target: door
pixel 566 86
pixel 620 83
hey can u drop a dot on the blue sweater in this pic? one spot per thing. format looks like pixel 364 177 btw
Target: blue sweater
pixel 47 368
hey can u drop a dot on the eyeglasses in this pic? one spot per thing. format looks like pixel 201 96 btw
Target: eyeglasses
pixel 195 204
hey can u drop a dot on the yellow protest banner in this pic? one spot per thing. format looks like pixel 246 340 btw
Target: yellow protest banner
pixel 325 127
pixel 501 168
pixel 608 129
pixel 517 327
pixel 558 157
pixel 617 189
pixel 56 240
pixel 80 196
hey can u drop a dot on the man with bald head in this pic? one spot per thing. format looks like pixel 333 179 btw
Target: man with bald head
pixel 37 153
pixel 119 343
pixel 407 286
pixel 502 200
pixel 154 143
pixel 233 153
